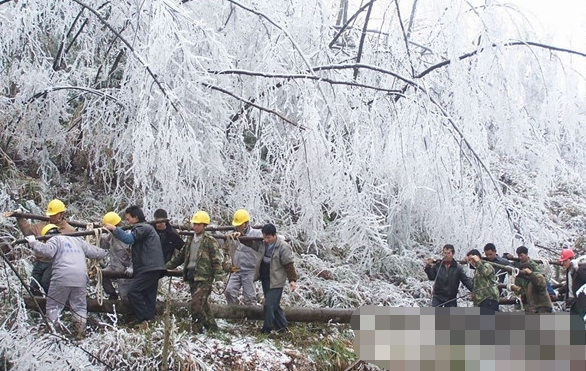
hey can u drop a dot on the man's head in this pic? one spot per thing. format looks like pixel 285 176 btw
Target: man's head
pixel 566 258
pixel 49 229
pixel 240 220
pixel 473 256
pixel 134 214
pixel 55 210
pixel 111 218
pixel 269 233
pixel 448 252
pixel 199 221
pixel 490 251
pixel 161 219
pixel 522 253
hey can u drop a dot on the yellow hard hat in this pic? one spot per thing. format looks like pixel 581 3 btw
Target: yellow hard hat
pixel 55 207
pixel 241 216
pixel 47 228
pixel 201 217
pixel 111 218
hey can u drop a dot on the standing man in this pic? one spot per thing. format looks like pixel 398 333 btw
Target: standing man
pixel 147 262
pixel 447 275
pixel 69 276
pixel 41 273
pixel 485 294
pixel 538 300
pixel 202 262
pixel 170 239
pixel 575 278
pixel 492 256
pixel 274 264
pixel 120 260
pixel 524 260
pixel 244 259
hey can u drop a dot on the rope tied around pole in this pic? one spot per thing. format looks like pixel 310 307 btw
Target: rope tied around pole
pixel 94 265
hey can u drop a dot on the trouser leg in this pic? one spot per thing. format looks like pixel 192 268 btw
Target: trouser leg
pixel 200 311
pixel 123 286
pixel 233 289
pixel 109 289
pixel 248 289
pixel 78 304
pixel 37 278
pixel 142 295
pixel 273 313
pixel 56 299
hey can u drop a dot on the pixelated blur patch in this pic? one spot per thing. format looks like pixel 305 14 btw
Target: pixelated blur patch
pixel 468 339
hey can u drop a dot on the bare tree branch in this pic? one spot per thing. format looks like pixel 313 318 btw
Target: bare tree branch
pixel 405 38
pixel 362 37
pixel 252 104
pixel 341 31
pixel 145 65
pixel 514 43
pixel 303 77
pixel 80 88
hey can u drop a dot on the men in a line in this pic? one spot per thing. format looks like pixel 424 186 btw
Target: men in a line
pixel 538 300
pixel 41 273
pixel 69 276
pixel 447 275
pixel 244 258
pixel 170 239
pixel 575 279
pixel 202 262
pixel 274 265
pixel 485 294
pixel 147 261
pixel 120 260
pixel 492 256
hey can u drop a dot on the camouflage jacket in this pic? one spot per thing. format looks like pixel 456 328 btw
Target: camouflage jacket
pixel 208 263
pixel 485 285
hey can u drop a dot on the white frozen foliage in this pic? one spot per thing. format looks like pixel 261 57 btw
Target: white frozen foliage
pixel 371 140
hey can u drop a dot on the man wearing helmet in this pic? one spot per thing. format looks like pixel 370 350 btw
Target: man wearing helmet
pixel 42 268
pixel 69 276
pixel 202 262
pixel 120 260
pixel 147 261
pixel 244 260
pixel 575 279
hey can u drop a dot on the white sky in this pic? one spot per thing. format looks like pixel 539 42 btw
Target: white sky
pixel 564 20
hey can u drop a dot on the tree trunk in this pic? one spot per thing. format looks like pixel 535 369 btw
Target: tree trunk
pixel 221 311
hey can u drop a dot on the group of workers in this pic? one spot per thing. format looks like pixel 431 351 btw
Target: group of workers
pixel 490 270
pixel 144 251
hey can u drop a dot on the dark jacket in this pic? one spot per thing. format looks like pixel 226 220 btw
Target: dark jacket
pixel 447 281
pixel 147 254
pixel 577 303
pixel 170 241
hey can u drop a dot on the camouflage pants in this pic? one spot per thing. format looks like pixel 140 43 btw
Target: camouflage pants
pixel 201 314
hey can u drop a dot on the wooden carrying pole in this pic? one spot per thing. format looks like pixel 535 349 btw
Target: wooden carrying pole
pixel 78 224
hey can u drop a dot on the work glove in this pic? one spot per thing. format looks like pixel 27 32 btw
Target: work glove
pixel 30 239
pixel 234 269
pixel 8 214
pixel 128 272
